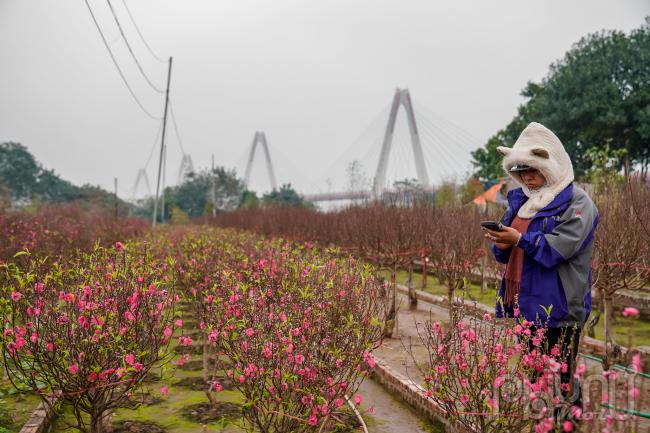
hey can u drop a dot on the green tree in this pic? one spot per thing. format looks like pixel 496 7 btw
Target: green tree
pixel 54 189
pixel 598 94
pixel 177 216
pixel 201 191
pixel 18 170
pixel 285 196
pixel 28 181
pixel 446 195
pixel 470 189
pixel 249 200
pixel 604 167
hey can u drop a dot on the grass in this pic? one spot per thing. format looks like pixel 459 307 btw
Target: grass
pixel 15 407
pixel 640 326
pixel 434 287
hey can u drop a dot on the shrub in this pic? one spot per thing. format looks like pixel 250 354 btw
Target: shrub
pixel 87 332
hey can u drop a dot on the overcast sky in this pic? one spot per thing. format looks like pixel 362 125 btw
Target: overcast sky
pixel 314 75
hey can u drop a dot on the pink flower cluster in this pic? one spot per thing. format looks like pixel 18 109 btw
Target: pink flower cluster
pixel 92 326
pixel 276 312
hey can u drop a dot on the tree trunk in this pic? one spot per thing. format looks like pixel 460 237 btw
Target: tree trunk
pixel 97 422
pixel 590 326
pixel 450 295
pixel 413 298
pixel 391 329
pixel 483 277
pixel 393 307
pixel 424 272
pixel 608 308
pixel 205 357
pixel 211 397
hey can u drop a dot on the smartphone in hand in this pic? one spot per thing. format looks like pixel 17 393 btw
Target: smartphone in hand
pixel 491 225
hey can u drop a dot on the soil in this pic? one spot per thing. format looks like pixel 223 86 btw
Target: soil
pixel 151 377
pixel 196 383
pixel 205 412
pixel 346 422
pixel 197 364
pixel 136 427
pixel 142 399
pixel 193 349
pixel 190 324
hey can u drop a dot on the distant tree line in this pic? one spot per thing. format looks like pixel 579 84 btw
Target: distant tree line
pixel 25 182
pixel 211 191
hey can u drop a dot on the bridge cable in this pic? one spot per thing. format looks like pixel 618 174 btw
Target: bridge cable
pixel 467 137
pixel 441 144
pixel 117 66
pixel 450 161
pixel 444 136
pixel 436 140
pixel 462 144
pixel 372 133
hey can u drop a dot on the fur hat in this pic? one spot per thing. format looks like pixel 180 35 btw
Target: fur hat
pixel 539 148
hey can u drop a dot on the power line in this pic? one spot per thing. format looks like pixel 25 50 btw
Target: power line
pixel 155 142
pixel 117 66
pixel 135 59
pixel 137 29
pixel 178 136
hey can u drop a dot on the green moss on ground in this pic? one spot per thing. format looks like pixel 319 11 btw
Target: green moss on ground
pixel 168 413
pixel 15 407
pixel 473 293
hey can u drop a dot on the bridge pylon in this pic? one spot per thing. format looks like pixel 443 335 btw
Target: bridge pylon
pixel 186 167
pixel 260 138
pixel 402 97
pixel 141 177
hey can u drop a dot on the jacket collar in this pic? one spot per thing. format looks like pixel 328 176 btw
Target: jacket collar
pixel 516 198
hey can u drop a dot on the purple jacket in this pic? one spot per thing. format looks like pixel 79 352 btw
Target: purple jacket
pixel 558 245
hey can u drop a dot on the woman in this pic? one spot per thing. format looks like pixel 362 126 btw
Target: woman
pixel 546 241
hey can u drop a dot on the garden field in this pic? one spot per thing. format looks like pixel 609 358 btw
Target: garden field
pixel 275 321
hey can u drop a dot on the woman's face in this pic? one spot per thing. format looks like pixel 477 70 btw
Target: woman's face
pixel 532 178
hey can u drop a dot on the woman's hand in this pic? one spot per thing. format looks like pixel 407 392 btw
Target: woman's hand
pixel 504 239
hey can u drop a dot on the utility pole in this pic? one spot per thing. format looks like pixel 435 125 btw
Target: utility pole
pixel 162 187
pixel 214 192
pixel 162 146
pixel 115 198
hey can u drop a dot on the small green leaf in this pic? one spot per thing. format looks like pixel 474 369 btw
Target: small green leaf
pixel 547 310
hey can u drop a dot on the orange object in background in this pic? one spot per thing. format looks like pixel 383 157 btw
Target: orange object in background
pixel 489 196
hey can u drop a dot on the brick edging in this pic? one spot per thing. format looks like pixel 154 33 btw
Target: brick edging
pixel 40 418
pixel 395 383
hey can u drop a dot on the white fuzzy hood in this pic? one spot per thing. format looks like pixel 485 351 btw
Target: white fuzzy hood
pixel 538 147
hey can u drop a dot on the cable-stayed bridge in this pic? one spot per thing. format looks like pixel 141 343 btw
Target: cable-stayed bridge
pixel 405 144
